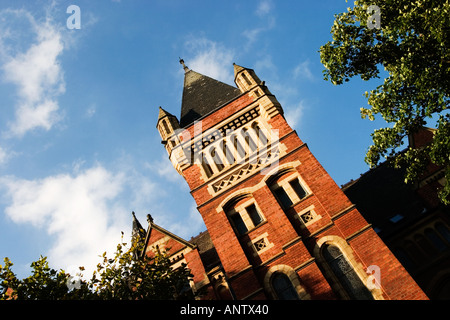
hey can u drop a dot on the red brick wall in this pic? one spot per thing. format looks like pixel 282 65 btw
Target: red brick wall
pixel 337 218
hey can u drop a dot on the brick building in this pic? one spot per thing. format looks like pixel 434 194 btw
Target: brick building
pixel 409 219
pixel 278 226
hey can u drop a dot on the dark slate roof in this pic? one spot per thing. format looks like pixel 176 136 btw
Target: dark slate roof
pixel 201 95
pixel 381 194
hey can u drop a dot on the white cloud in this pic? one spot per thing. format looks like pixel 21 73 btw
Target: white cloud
pixel 191 226
pixel 211 58
pixel 31 62
pixel 263 8
pixel 303 71
pixel 165 169
pixel 262 11
pixel 3 155
pixel 83 212
pixel 294 114
pixel 74 209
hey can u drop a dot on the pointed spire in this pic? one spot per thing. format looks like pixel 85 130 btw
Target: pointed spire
pixel 162 113
pixel 186 69
pixel 237 69
pixel 201 95
pixel 138 230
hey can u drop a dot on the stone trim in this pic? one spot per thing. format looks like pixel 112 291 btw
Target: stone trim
pixel 293 277
pixel 348 253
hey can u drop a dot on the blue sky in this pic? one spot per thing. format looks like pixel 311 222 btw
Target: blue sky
pixel 79 149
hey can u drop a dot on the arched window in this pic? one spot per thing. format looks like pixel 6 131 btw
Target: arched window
pixel 425 245
pixel 283 288
pixel 224 293
pixel 435 240
pixel 404 258
pixel 443 230
pixel 416 254
pixel 345 274
pixel 442 290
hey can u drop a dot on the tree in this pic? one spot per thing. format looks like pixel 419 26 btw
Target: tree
pixel 44 283
pixel 132 275
pixel 127 276
pixel 411 40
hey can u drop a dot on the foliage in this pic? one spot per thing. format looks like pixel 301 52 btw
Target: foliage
pixel 130 275
pixel 412 45
pixel 127 276
pixel 44 283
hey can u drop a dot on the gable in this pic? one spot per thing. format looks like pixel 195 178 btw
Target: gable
pixel 165 240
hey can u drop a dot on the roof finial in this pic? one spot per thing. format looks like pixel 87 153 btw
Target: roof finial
pixel 186 69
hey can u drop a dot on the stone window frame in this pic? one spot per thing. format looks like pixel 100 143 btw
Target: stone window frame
pixel 285 184
pixel 315 216
pixel 348 253
pixel 293 277
pixel 263 237
pixel 241 210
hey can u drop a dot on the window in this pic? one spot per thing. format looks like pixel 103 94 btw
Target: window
pixel 288 191
pixel 283 287
pixel 260 245
pixel 239 224
pixel 307 217
pixel 396 218
pixel 435 240
pixel 425 245
pixel 404 258
pixel 345 273
pixel 443 231
pixel 254 214
pixel 244 216
pixel 246 79
pixel 295 185
pixel 166 126
pixel 416 254
pixel 282 197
